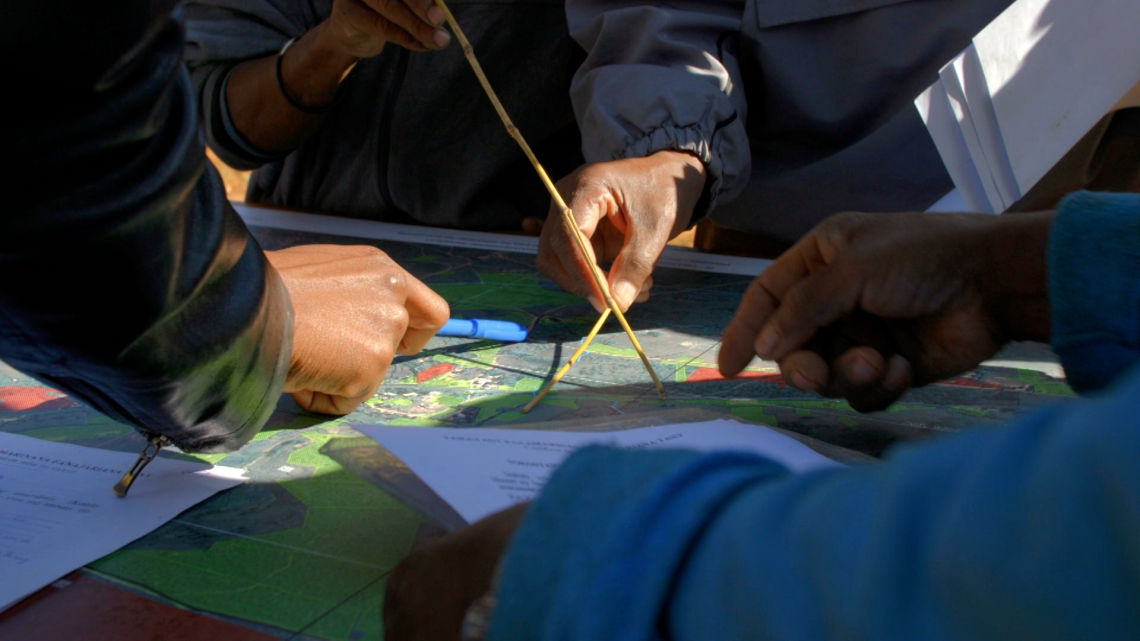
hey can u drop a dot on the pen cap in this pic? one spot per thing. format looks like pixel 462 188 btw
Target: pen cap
pixel 499 330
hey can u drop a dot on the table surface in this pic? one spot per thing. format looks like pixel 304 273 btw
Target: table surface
pixel 302 551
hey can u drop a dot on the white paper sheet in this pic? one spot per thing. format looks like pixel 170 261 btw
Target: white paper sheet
pixel 936 111
pixel 1031 84
pixel 969 69
pixel 481 471
pixel 953 82
pixel 1054 69
pixel 58 513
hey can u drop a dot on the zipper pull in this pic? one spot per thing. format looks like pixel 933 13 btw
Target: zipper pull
pixel 154 445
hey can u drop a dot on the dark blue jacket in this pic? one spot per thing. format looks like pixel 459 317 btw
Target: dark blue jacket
pixel 125 276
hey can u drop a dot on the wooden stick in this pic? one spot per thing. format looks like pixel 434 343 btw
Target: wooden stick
pixel 573 358
pixel 567 215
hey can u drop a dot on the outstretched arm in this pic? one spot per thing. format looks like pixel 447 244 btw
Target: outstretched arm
pixel 1022 532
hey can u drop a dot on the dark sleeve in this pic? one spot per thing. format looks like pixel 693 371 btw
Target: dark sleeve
pixel 221 34
pixel 129 281
pixel 657 76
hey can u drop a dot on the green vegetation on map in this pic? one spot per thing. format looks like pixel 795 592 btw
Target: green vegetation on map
pixel 306 545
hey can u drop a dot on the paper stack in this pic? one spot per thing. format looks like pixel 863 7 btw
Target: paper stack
pixel 1031 84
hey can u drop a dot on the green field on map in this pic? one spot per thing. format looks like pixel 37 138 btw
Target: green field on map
pixel 304 548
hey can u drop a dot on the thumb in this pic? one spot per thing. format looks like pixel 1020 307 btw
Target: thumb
pixel 634 263
pixel 560 258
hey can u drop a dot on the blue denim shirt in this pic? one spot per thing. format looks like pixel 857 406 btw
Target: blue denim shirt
pixel 1031 531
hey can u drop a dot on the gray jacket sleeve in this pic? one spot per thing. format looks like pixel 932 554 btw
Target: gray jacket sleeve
pixel 662 77
pixel 220 34
pixel 129 281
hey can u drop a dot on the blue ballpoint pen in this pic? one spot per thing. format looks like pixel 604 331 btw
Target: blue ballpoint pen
pixel 505 331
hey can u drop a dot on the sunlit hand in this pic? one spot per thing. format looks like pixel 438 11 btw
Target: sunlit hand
pixel 628 209
pixel 354 309
pixel 429 592
pixel 359 28
pixel 866 306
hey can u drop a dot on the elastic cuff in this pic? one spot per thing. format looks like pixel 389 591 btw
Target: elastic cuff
pixel 1094 256
pixel 695 141
pixel 251 154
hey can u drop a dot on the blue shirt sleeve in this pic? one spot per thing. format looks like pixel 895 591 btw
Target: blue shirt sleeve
pixel 1094 263
pixel 1031 531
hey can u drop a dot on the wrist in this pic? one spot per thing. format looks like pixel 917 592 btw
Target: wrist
pixel 311 69
pixel 689 176
pixel 1015 284
pixel 330 54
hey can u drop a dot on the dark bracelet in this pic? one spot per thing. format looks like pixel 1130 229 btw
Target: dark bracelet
pixel 296 105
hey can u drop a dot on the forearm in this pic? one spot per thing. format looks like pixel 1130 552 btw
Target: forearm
pixel 311 71
pixel 974 536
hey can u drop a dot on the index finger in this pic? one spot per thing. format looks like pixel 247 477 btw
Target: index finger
pixel 560 258
pixel 412 17
pixel 427 11
pixel 427 312
pixel 761 300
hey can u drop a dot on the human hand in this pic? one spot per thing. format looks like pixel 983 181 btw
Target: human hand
pixel 865 306
pixel 429 592
pixel 628 209
pixel 359 28
pixel 354 309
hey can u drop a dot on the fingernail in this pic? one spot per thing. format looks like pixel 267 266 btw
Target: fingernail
pixel 863 372
pixel 624 293
pixel 801 382
pixel 435 16
pixel 898 373
pixel 441 38
pixel 766 342
pixel 593 300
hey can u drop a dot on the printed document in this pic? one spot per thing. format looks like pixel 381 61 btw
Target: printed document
pixel 58 513
pixel 481 471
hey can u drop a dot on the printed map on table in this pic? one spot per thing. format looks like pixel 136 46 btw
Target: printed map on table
pixel 302 551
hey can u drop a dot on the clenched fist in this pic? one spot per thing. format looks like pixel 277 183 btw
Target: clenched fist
pixel 354 309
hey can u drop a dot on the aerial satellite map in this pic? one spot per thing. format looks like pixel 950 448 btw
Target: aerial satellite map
pixel 302 551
